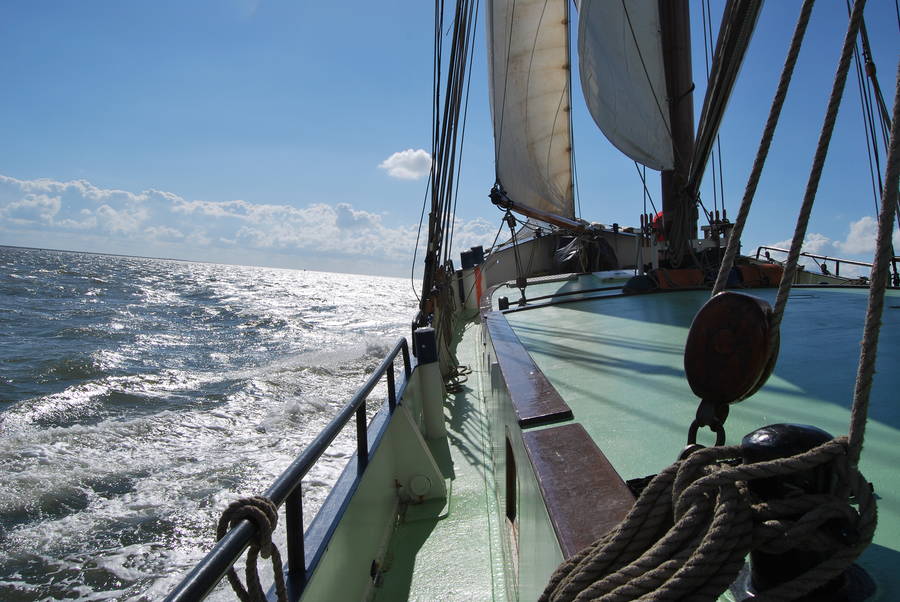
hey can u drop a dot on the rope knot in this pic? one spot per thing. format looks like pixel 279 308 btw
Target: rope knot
pixel 258 510
pixel 263 513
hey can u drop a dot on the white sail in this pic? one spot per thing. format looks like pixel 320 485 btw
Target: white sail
pixel 528 42
pixel 623 77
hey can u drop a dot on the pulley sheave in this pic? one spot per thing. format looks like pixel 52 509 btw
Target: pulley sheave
pixel 729 352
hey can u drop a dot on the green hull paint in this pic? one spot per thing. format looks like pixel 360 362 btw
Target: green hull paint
pixel 618 362
pixel 363 533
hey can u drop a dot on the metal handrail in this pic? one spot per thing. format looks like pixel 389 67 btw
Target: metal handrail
pixel 287 490
pixel 837 261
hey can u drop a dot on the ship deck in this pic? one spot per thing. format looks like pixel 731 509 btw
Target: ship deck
pixel 454 553
pixel 617 361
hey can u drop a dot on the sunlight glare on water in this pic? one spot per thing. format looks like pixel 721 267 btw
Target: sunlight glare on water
pixel 138 397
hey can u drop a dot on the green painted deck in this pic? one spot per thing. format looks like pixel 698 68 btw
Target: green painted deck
pixel 617 361
pixel 455 552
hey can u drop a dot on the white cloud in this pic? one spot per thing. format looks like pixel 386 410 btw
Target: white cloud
pixel 816 243
pixel 350 218
pixel 469 233
pixel 163 233
pixel 156 221
pixel 120 221
pixel 408 164
pixel 32 208
pixel 861 237
pixel 79 190
pixel 813 243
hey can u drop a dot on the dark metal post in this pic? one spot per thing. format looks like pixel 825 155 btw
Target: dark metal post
pixel 779 441
pixel 425 344
pixel 392 394
pixel 477 255
pixel 293 511
pixel 466 261
pixel 407 368
pixel 362 439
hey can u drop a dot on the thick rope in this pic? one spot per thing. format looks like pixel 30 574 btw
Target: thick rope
pixel 834 103
pixel 688 533
pixel 264 514
pixel 734 241
pixel 879 280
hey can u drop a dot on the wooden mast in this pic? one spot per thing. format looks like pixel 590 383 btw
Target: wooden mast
pixel 679 212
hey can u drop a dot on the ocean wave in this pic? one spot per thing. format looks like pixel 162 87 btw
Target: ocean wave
pixel 73 367
pixel 179 388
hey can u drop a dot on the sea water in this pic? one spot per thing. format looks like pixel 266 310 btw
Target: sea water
pixel 138 397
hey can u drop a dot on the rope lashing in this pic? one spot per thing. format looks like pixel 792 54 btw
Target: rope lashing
pixel 688 533
pixel 264 514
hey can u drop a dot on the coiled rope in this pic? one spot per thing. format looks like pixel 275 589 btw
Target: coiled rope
pixel 688 533
pixel 263 513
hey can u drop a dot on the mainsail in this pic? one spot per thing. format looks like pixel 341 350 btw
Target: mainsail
pixel 623 77
pixel 528 42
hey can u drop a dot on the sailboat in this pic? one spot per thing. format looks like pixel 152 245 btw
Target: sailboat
pixel 557 426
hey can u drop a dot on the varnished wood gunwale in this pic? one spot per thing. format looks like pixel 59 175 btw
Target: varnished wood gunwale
pixel 584 495
pixel 534 400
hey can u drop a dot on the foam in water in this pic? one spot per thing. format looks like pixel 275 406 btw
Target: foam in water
pixel 158 392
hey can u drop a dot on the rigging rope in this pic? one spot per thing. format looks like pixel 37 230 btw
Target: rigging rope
pixel 878 286
pixel 765 142
pixel 462 140
pixel 834 103
pixel 707 52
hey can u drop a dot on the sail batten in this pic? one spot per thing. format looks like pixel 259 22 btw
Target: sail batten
pixel 528 42
pixel 623 77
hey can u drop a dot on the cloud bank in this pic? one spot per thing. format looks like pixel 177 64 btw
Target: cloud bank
pixel 408 164
pixel 339 236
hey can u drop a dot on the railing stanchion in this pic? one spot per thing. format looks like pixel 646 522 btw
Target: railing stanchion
pixel 293 510
pixel 407 369
pixel 392 394
pixel 362 439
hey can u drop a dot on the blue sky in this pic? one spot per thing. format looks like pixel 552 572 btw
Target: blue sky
pixel 293 134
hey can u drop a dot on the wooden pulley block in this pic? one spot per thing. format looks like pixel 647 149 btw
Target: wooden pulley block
pixel 727 356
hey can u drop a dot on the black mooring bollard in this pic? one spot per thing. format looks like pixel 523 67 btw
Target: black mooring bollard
pixel 780 441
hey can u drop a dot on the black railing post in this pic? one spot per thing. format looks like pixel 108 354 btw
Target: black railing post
pixel 407 369
pixel 293 511
pixel 362 439
pixel 392 394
